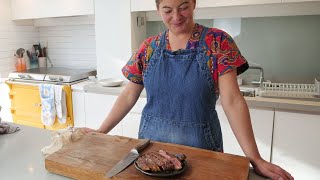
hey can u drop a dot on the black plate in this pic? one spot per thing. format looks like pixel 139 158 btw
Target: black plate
pixel 163 173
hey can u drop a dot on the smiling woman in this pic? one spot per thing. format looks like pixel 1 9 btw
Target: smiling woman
pixel 184 70
pixel 178 16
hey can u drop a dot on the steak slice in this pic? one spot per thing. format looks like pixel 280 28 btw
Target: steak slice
pixel 152 165
pixel 142 164
pixel 177 164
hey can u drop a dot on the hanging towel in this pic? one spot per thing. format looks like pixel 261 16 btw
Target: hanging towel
pixel 48 110
pixel 60 102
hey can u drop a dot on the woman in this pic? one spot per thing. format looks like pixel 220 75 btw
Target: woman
pixel 184 70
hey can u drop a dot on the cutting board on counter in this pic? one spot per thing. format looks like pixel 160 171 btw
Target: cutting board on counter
pixel 96 153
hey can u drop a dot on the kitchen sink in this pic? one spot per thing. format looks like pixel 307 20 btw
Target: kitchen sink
pixel 248 90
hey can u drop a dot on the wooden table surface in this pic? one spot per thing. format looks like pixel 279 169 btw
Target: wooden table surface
pixel 95 154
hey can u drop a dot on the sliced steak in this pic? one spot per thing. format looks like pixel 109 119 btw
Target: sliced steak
pixel 161 161
pixel 174 160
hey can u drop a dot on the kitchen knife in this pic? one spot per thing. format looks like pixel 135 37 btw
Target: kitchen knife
pixel 128 159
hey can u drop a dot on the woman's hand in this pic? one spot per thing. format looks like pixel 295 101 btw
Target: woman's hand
pixel 86 130
pixel 270 170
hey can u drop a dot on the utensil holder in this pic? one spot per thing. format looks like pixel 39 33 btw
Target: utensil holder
pixel 34 63
pixel 20 64
pixel 42 62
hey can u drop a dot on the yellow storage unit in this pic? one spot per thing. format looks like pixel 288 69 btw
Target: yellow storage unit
pixel 26 105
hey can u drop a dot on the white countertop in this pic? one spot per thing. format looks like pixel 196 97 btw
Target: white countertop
pixel 21 156
pixel 253 102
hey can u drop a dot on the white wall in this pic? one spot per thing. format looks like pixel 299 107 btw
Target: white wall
pixel 13 35
pixel 113 44
pixel 71 46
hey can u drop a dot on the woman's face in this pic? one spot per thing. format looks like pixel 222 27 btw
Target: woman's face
pixel 177 15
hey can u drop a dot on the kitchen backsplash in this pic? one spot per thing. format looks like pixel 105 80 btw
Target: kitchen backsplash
pixel 70 46
pixel 286 47
pixel 71 41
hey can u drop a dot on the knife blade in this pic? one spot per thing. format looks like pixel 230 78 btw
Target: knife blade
pixel 128 159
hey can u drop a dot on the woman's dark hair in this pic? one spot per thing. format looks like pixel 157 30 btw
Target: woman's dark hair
pixel 157 3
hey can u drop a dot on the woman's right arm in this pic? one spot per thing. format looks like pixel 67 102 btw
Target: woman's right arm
pixel 121 107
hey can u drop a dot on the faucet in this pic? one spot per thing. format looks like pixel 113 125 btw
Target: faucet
pixel 261 79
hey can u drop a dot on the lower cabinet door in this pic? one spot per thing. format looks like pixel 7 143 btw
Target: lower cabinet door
pixel 296 144
pixel 97 107
pixel 262 123
pixel 25 105
pixel 131 125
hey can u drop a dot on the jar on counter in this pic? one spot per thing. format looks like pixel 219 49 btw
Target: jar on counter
pixel 20 64
pixel 34 61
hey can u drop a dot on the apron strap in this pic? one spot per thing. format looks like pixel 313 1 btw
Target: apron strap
pixel 163 39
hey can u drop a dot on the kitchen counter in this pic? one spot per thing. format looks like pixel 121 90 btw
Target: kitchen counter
pixel 253 102
pixel 21 155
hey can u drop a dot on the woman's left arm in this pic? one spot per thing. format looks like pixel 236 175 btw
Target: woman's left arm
pixel 237 112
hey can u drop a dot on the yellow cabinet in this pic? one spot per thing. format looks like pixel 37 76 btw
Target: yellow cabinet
pixel 26 105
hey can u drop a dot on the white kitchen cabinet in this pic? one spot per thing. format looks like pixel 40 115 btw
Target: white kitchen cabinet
pixel 131 122
pixel 147 5
pixel 299 0
pixel 218 3
pixel 78 106
pixel 131 125
pixel 143 5
pixel 262 123
pixel 97 107
pixel 296 144
pixel 5 102
pixel 34 9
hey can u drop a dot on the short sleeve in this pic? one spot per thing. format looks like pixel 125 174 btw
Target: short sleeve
pixel 229 56
pixel 134 68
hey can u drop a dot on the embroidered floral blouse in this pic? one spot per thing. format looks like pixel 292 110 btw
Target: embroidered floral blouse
pixel 223 55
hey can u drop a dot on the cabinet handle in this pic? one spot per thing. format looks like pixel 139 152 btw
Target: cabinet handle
pixel 37 104
pixel 11 94
pixel 13 110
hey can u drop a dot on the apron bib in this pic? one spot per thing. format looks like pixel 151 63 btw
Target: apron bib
pixel 181 100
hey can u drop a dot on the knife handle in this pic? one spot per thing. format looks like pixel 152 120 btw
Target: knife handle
pixel 144 143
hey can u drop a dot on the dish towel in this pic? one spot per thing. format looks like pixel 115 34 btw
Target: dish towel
pixel 60 103
pixel 61 138
pixel 48 110
pixel 6 128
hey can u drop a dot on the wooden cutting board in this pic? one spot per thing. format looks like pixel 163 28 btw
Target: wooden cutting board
pixel 95 154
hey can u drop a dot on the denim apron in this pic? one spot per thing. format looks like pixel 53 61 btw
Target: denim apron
pixel 181 99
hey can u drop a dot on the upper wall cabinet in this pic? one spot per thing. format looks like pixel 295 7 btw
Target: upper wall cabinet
pixel 34 9
pixel 143 5
pixel 149 5
pixel 219 3
pixel 213 9
pixel 299 0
